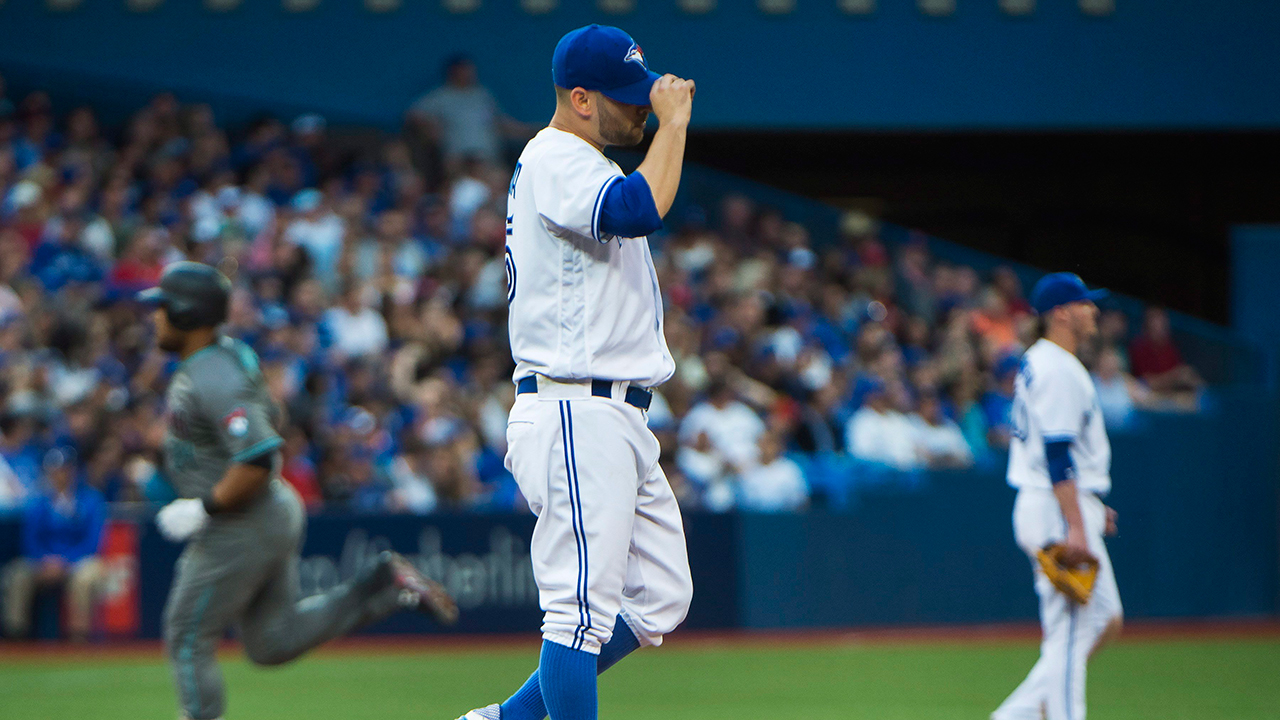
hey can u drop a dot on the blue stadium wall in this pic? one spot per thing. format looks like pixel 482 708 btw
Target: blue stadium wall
pixel 1150 64
pixel 1197 498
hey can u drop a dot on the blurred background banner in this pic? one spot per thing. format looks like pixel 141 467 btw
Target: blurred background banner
pixel 119 611
pixel 483 560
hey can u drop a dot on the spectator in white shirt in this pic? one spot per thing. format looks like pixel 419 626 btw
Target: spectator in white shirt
pixel 731 428
pixel 775 484
pixel 212 206
pixel 392 243
pixel 938 437
pixel 412 490
pixel 1119 394
pixel 879 433
pixel 319 231
pixel 13 493
pixel 253 209
pixel 356 329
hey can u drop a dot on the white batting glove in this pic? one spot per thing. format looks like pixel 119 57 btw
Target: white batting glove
pixel 181 519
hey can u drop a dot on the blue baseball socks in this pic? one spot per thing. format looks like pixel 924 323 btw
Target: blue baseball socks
pixel 568 675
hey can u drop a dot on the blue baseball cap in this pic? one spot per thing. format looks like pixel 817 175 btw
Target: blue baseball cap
pixel 1060 289
pixel 603 58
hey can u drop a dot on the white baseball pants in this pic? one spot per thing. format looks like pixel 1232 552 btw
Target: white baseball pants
pixel 1055 687
pixel 609 538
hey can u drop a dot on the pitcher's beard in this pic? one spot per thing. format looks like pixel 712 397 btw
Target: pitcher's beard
pixel 617 131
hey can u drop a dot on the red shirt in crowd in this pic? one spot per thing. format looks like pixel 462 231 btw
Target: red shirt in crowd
pixel 131 273
pixel 302 476
pixel 1153 357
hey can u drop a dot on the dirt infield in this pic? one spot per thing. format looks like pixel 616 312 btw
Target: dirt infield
pixel 1135 631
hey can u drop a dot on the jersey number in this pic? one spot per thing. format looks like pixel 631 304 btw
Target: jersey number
pixel 1018 419
pixel 511 263
pixel 511 190
pixel 511 276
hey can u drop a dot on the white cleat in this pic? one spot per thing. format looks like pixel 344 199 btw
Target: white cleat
pixel 490 712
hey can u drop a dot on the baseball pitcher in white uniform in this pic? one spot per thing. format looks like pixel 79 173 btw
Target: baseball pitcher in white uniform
pixel 1060 463
pixel 586 331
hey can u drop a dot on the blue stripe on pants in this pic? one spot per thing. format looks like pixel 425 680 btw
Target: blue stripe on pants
pixel 579 531
pixel 582 527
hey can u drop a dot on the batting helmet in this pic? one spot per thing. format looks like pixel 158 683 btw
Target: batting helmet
pixel 193 295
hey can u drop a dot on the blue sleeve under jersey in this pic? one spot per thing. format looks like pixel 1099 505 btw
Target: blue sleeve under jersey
pixel 628 210
pixel 1058 455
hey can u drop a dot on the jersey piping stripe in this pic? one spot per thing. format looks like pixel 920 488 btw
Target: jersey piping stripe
pixel 187 650
pixel 1071 641
pixel 257 449
pixel 595 212
pixel 1059 437
pixel 575 519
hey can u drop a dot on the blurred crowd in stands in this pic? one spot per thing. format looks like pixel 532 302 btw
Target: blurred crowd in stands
pixel 369 276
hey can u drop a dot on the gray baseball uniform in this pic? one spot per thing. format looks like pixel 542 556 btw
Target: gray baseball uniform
pixel 243 567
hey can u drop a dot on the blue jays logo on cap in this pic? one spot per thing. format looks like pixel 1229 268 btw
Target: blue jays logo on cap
pixel 636 55
pixel 1061 289
pixel 605 59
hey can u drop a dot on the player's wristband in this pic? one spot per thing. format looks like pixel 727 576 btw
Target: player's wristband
pixel 211 506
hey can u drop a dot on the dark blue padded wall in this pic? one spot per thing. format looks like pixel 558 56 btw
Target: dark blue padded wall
pixel 1255 291
pixel 1197 497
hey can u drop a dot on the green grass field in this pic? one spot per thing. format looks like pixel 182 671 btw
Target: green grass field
pixel 1191 679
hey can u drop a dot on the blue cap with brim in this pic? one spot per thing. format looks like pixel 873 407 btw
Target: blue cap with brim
pixel 606 59
pixel 1062 288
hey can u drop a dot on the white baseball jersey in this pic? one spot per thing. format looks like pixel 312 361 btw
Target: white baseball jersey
pixel 1054 399
pixel 584 305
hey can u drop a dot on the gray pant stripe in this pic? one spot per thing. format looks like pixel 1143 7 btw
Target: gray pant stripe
pixel 188 649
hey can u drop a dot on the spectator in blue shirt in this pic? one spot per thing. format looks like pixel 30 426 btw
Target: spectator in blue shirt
pixel 61 531
pixel 998 401
pixel 60 259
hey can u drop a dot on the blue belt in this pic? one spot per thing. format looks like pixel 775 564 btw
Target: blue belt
pixel 635 396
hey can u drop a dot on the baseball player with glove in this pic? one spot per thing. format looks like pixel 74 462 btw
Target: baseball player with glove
pixel 586 333
pixel 242 524
pixel 1060 462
